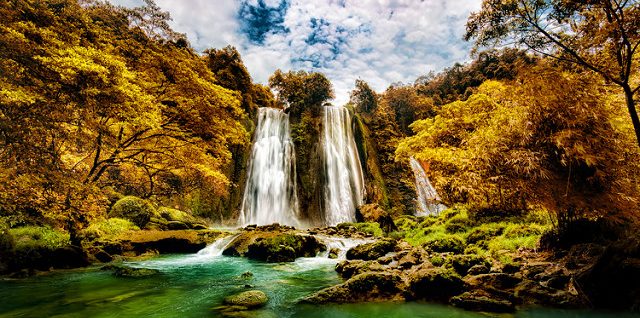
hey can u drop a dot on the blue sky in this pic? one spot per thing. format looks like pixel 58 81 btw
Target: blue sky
pixel 379 41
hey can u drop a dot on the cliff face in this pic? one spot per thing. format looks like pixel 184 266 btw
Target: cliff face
pixel 306 129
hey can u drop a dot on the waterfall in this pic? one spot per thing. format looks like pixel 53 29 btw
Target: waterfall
pixel 216 248
pixel 270 192
pixel 344 189
pixel 428 201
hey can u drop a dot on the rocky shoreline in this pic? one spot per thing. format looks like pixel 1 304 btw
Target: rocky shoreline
pixel 385 269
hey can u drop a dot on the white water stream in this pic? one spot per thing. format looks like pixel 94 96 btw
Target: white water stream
pixel 270 193
pixel 344 188
pixel 428 200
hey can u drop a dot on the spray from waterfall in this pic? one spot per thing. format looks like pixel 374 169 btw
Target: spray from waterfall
pixel 344 189
pixel 270 192
pixel 428 201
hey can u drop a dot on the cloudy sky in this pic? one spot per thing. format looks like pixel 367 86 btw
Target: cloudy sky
pixel 379 41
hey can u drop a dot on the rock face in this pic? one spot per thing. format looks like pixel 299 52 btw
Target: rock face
pixel 433 283
pixel 371 251
pixel 247 299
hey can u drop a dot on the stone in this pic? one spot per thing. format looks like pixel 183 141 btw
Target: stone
pixel 479 302
pixel 361 288
pixel 371 251
pixel 334 252
pixel 348 269
pixel 248 299
pixel 177 225
pixel 133 272
pixel 434 283
pixel 478 269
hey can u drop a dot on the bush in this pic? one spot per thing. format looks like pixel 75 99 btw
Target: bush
pixel 137 210
pixel 28 237
pixel 445 243
pixel 372 228
pixel 108 228
pixel 170 214
pixel 484 232
pixel 7 243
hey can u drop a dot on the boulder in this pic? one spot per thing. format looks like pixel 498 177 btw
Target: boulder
pixel 481 302
pixel 371 251
pixel 361 288
pixel 478 269
pixel 284 248
pixel 247 299
pixel 133 272
pixel 462 263
pixel 348 269
pixel 434 283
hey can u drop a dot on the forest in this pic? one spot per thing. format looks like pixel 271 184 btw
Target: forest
pixel 121 142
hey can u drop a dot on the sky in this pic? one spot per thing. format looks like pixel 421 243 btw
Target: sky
pixel 379 41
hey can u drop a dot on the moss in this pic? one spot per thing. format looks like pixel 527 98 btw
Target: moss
pixel 137 210
pixel 170 214
pixel 445 243
pixel 365 227
pixel 484 232
pixel 108 228
pixel 462 263
pixel 435 283
pixel 7 243
pixel 371 251
pixel 523 230
pixel 29 237
pixel 437 260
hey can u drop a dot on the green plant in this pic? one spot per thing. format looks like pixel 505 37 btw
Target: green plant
pixel 137 210
pixel 38 236
pixel 108 228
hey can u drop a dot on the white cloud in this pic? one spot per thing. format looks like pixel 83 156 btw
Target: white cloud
pixel 379 41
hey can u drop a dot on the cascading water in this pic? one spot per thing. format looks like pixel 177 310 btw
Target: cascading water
pixel 428 201
pixel 344 189
pixel 270 192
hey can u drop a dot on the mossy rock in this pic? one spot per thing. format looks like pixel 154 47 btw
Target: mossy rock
pixel 108 228
pixel 483 303
pixel 137 210
pixel 363 287
pixel 462 263
pixel 364 227
pixel 248 299
pixel 484 232
pixel 7 243
pixel 434 284
pixel 284 248
pixel 132 272
pixel 371 251
pixel 170 214
pixel 446 243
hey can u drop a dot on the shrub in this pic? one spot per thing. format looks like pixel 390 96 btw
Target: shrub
pixel 137 210
pixel 445 243
pixel 7 243
pixel 108 228
pixel 522 230
pixel 28 237
pixel 484 232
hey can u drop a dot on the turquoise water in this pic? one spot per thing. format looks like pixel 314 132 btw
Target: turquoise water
pixel 192 285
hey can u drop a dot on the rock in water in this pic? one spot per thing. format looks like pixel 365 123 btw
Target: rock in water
pixel 371 251
pixel 126 271
pixel 248 299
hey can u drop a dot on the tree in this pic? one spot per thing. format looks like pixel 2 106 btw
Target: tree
pixel 299 90
pixel 363 97
pixel 602 36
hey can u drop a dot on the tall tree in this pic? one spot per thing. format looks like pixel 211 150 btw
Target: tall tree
pixel 600 35
pixel 300 89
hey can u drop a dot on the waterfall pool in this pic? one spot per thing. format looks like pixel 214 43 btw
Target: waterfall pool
pixel 192 285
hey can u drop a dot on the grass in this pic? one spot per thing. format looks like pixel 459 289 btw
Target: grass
pixel 109 228
pixel 454 231
pixel 28 237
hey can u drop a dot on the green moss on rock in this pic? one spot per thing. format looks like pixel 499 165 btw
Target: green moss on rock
pixel 371 251
pixel 137 210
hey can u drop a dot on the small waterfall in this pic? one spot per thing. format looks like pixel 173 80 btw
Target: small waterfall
pixel 340 244
pixel 428 201
pixel 270 192
pixel 344 189
pixel 217 247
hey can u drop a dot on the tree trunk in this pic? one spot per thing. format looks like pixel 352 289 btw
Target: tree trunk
pixel 631 105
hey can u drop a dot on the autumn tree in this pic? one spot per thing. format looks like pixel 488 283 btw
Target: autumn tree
pixel 363 97
pixel 602 36
pixel 299 90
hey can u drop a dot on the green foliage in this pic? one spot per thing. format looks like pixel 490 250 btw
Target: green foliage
pixel 171 214
pixel 109 228
pixel 132 208
pixel 301 90
pixel 437 260
pixel 444 243
pixel 31 237
pixel 372 228
pixel 7 243
pixel 484 232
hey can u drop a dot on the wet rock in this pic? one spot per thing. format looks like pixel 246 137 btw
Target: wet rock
pixel 360 288
pixel 348 269
pixel 247 299
pixel 177 225
pixel 134 272
pixel 246 275
pixel 284 248
pixel 511 268
pixel 482 302
pixel 462 263
pixel 478 269
pixel 414 257
pixel 199 226
pixel 103 256
pixel 495 280
pixel 534 293
pixel 434 283
pixel 334 252
pixel 371 251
